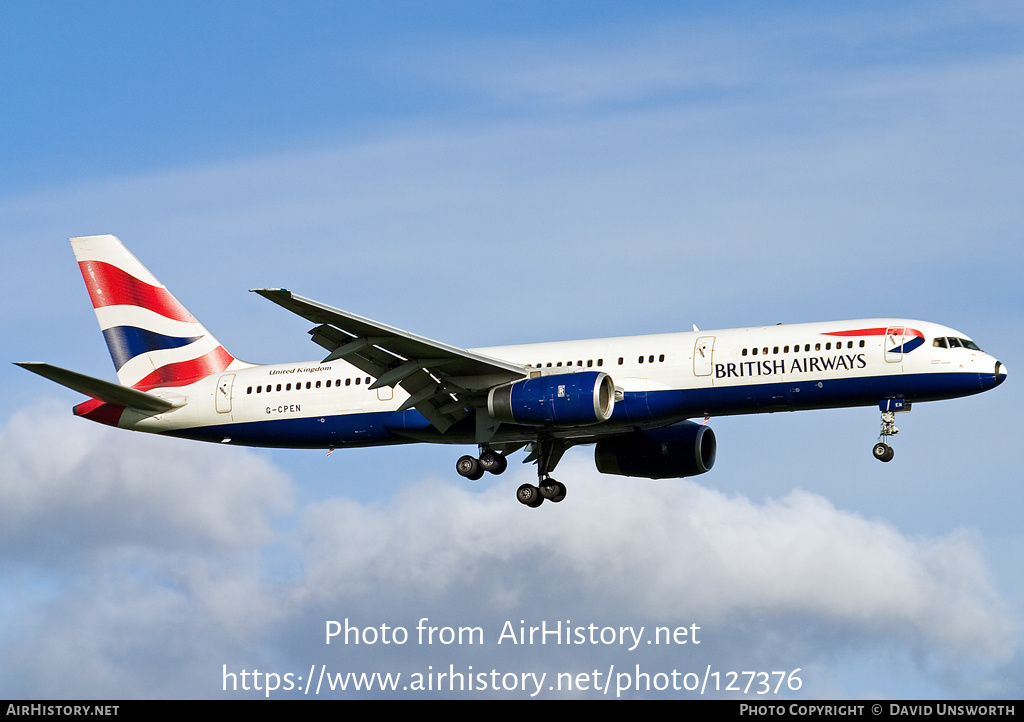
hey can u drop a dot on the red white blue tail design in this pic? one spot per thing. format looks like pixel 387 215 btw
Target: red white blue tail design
pixel 153 340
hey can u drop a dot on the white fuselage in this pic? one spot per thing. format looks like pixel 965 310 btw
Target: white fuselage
pixel 659 379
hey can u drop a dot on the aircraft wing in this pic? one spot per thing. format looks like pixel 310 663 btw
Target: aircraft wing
pixel 443 382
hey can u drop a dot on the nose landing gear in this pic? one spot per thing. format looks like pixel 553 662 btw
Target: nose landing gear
pixel 882 451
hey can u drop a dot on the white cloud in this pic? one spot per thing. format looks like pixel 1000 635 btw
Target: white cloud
pixel 69 487
pixel 661 550
pixel 177 570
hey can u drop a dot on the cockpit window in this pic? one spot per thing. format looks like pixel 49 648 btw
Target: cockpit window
pixel 950 342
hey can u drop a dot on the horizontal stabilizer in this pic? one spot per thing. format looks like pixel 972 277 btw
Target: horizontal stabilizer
pixel 99 389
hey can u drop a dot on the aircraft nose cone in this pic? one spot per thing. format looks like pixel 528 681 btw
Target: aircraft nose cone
pixel 1000 373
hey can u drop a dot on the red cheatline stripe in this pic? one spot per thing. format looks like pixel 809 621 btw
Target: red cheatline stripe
pixel 100 411
pixel 872 331
pixel 858 332
pixel 185 372
pixel 110 286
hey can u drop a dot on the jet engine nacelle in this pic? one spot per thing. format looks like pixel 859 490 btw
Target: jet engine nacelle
pixel 586 397
pixel 685 449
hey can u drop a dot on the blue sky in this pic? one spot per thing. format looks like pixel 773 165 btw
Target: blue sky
pixel 488 174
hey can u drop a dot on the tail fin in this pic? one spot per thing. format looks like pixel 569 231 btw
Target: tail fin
pixel 153 340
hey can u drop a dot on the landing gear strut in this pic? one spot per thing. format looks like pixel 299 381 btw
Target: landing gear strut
pixel 882 451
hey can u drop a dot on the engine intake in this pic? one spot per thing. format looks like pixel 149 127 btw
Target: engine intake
pixel 586 397
pixel 684 449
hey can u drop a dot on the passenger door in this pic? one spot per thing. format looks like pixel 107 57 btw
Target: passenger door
pixel 223 393
pixel 703 351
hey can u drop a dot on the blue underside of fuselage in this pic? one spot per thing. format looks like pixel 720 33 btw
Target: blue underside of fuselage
pixel 636 409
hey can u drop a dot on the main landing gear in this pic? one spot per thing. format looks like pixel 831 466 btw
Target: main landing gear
pixel 474 467
pixel 882 451
pixel 547 488
pixel 546 452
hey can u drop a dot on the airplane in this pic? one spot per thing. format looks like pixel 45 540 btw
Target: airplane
pixel 634 398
